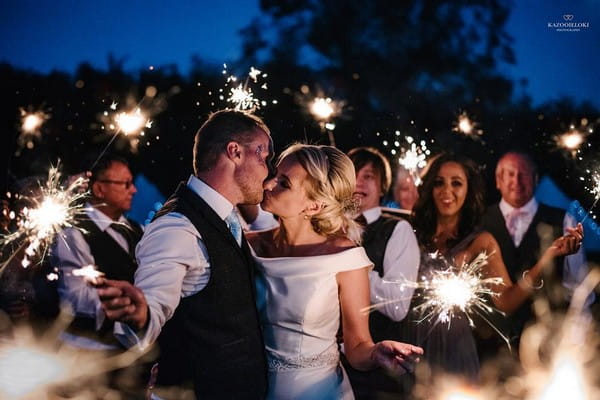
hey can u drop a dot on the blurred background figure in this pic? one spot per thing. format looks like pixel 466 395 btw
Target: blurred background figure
pixel 404 192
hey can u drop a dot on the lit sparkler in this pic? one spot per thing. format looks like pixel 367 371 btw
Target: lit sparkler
pixel 414 158
pixel 241 96
pixel 89 273
pixel 594 190
pixel 572 356
pixel 573 139
pixel 131 122
pixel 451 290
pixel 52 210
pixel 323 109
pixel 466 126
pixel 33 367
pixel 31 125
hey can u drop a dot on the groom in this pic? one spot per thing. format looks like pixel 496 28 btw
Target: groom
pixel 195 276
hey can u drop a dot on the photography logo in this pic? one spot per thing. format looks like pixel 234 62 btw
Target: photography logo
pixel 568 24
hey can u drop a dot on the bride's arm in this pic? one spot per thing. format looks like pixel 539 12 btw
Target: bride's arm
pixel 359 348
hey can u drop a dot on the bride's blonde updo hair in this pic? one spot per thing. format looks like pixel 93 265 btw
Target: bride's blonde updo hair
pixel 332 182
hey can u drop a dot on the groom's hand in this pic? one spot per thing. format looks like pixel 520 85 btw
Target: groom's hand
pixel 121 301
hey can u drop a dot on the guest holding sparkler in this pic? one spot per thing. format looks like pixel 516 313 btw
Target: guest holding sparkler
pixel 104 238
pixel 524 229
pixel 392 247
pixel 446 218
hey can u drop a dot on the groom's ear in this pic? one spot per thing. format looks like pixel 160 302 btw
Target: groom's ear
pixel 233 151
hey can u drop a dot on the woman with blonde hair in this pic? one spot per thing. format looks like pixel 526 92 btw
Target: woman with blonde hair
pixel 312 275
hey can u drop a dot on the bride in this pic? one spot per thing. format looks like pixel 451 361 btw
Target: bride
pixel 310 272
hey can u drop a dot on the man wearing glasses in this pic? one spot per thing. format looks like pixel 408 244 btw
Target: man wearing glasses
pixel 106 239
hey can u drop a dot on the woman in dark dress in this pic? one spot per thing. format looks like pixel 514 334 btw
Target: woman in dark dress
pixel 445 218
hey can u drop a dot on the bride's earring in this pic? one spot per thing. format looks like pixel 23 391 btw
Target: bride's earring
pixel 306 217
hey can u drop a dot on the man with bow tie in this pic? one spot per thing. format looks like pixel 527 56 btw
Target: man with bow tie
pixel 524 228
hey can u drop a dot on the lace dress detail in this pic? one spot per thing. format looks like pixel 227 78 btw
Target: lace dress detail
pixel 297 298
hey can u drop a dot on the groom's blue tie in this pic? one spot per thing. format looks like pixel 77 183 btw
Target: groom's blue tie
pixel 233 223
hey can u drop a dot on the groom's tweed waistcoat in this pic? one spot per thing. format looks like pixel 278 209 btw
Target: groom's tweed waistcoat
pixel 214 337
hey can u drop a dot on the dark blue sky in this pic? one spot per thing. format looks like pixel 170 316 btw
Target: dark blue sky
pixel 45 35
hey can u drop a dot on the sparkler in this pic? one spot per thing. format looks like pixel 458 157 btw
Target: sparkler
pixel 414 158
pixel 33 367
pixel 323 109
pixel 241 96
pixel 54 209
pixel 466 126
pixel 573 355
pixel 595 190
pixel 31 124
pixel 574 138
pixel 89 273
pixel 451 290
pixel 131 123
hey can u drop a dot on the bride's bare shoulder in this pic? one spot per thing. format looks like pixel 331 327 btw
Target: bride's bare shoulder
pixel 261 241
pixel 341 243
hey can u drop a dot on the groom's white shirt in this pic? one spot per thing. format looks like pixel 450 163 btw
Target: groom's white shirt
pixel 173 264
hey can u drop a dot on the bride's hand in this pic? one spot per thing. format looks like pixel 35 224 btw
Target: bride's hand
pixel 396 356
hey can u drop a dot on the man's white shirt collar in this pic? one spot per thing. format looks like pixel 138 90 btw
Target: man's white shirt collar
pixel 372 214
pixel 102 220
pixel 530 208
pixel 214 199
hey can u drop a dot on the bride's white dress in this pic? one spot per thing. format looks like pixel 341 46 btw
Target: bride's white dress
pixel 300 314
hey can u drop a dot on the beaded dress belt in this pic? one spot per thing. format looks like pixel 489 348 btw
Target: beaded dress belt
pixel 329 357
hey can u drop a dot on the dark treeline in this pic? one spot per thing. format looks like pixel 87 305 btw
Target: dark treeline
pixel 409 66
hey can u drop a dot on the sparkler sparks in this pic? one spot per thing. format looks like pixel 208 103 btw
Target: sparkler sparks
pixel 467 126
pixel 241 96
pixel 451 290
pixel 572 140
pixel 52 210
pixel 323 109
pixel 31 125
pixel 414 158
pixel 131 122
pixel 594 190
pixel 89 273
pixel 572 342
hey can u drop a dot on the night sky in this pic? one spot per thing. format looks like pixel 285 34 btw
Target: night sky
pixel 47 35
